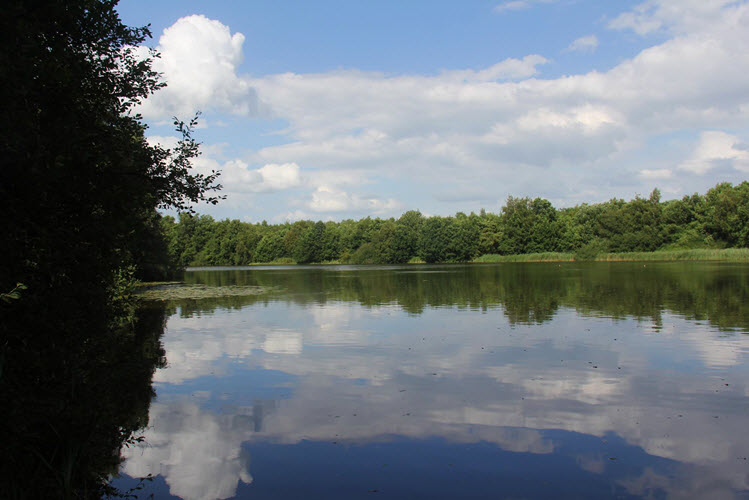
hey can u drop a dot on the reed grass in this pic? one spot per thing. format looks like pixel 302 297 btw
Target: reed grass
pixel 697 254
pixel 527 257
pixel 281 261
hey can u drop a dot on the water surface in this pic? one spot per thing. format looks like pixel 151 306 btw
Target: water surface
pixel 601 380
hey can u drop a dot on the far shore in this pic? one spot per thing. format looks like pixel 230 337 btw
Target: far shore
pixel 738 255
pixel 698 254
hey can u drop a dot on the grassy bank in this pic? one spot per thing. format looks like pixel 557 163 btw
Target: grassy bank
pixel 707 254
pixel 528 257
pixel 701 254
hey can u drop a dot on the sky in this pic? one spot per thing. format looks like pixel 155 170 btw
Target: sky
pixel 330 110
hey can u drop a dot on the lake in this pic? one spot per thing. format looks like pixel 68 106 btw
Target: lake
pixel 571 380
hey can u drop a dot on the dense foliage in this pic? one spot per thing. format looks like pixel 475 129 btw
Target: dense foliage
pixel 718 219
pixel 80 188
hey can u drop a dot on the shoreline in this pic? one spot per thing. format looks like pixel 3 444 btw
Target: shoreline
pixel 731 255
pixel 692 255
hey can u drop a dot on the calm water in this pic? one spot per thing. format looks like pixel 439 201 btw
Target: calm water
pixel 498 381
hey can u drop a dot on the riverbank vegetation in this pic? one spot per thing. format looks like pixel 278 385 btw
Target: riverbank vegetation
pixel 697 254
pixel 695 227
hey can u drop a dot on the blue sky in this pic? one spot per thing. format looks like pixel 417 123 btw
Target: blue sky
pixel 333 110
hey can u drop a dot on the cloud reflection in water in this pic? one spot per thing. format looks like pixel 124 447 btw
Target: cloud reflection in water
pixel 370 374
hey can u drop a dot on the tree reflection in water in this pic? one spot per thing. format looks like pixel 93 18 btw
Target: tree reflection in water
pixel 528 293
pixel 71 402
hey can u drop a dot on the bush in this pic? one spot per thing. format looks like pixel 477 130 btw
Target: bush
pixel 590 250
pixel 365 254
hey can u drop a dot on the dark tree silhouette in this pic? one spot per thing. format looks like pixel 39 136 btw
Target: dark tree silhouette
pixel 79 189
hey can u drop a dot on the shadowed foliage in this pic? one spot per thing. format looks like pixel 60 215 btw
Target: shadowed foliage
pixel 79 187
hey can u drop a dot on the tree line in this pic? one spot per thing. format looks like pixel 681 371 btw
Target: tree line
pixel 717 219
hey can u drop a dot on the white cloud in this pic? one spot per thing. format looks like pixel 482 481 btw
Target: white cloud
pixel 518 5
pixel 198 454
pixel 509 69
pixel 199 61
pixel 283 342
pixel 640 20
pixel 277 177
pixel 656 174
pixel 584 44
pixel 338 178
pixel 168 142
pixel 346 118
pixel 587 119
pixel 513 5
pixel 676 16
pixel 329 199
pixel 294 215
pixel 238 177
pixel 716 148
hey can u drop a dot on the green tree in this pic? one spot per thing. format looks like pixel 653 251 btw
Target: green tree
pixel 726 213
pixel 681 222
pixel 247 240
pixel 270 247
pixel 202 245
pixel 309 246
pixel 384 243
pixel 292 236
pixel 631 226
pixel 331 242
pixel 463 238
pixel 433 239
pixel 406 237
pixel 490 233
pixel 529 226
pixel 545 230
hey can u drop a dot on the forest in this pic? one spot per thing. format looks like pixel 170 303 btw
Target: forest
pixel 717 219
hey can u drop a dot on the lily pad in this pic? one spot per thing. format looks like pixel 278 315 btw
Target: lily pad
pixel 181 291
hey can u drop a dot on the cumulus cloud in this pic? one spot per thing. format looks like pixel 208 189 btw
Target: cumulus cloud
pixel 199 62
pixel 168 142
pixel 238 177
pixel 277 177
pixel 640 19
pixel 676 16
pixel 500 125
pixel 461 120
pixel 656 174
pixel 329 199
pixel 584 44
pixel 714 149
pixel 509 69
pixel 198 454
